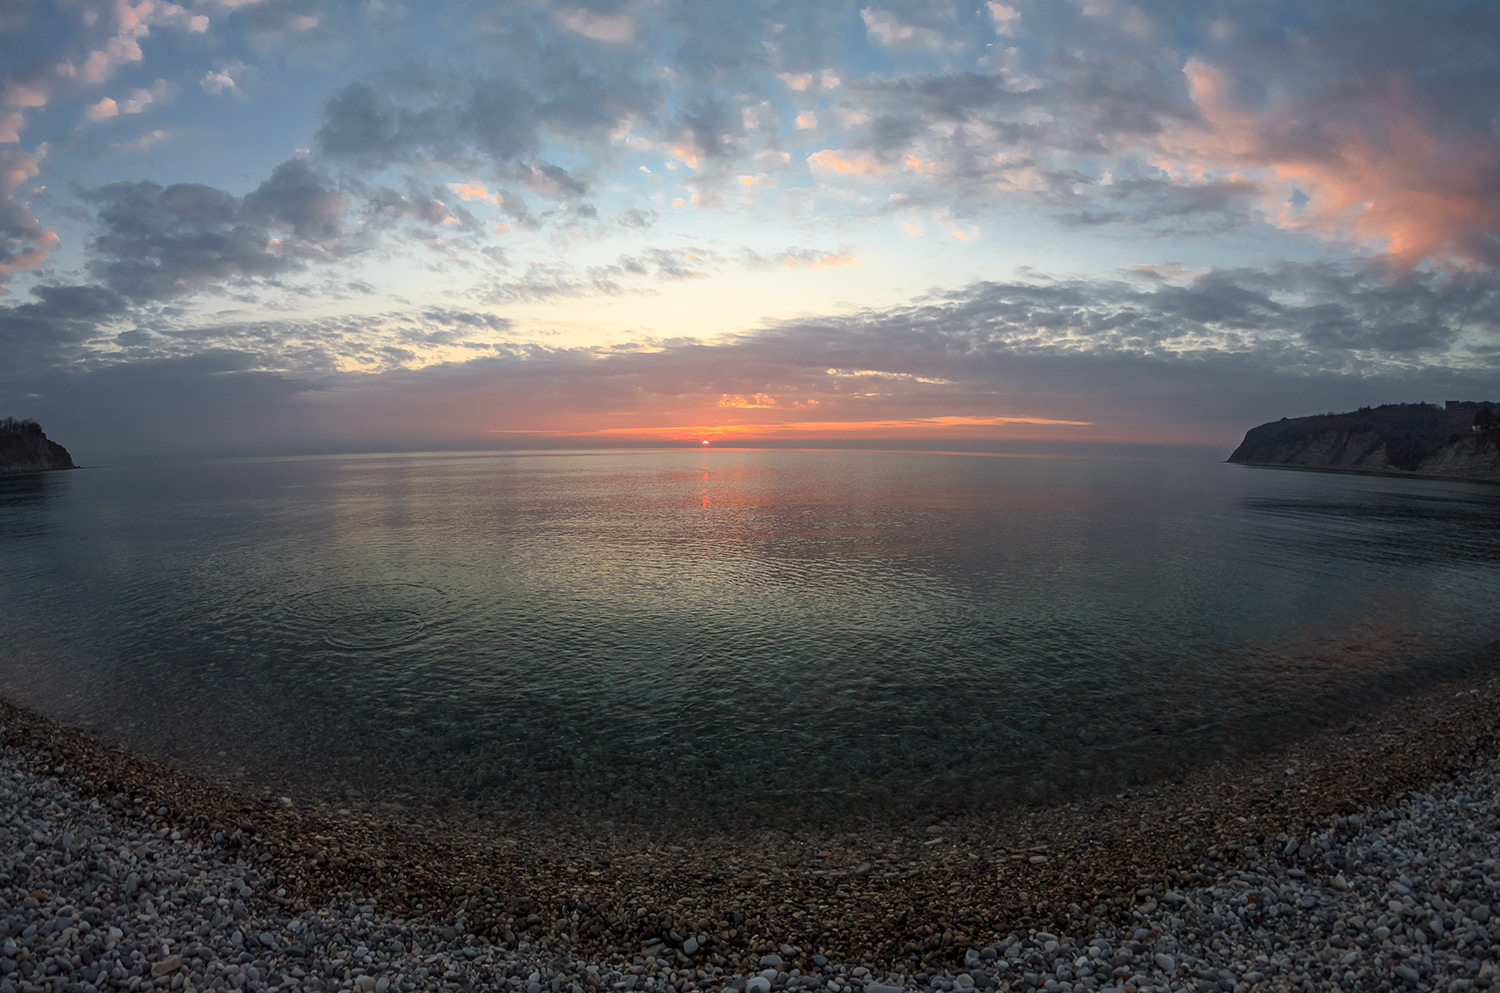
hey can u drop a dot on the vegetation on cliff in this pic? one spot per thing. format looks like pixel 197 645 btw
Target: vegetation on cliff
pixel 24 448
pixel 1460 439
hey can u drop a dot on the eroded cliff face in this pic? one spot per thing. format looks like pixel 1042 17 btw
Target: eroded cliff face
pixel 1414 439
pixel 1322 449
pixel 32 451
pixel 1474 457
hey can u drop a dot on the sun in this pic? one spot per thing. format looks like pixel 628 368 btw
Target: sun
pixel 705 441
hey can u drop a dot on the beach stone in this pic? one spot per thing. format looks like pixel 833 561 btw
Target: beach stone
pixel 168 965
pixel 1412 882
pixel 690 947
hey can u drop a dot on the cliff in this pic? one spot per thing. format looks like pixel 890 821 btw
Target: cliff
pixel 1460 440
pixel 24 448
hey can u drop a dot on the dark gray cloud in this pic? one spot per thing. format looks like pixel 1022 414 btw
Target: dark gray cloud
pixel 301 199
pixel 501 123
pixel 154 242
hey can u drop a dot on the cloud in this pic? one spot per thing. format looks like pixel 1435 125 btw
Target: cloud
pixel 103 109
pixel 1380 159
pixel 1367 129
pixel 503 123
pixel 829 160
pixel 477 191
pixel 136 103
pixel 153 242
pixel 147 140
pixel 1193 358
pixel 628 273
pixel 24 243
pixel 219 81
pixel 297 197
pixel 617 28
pixel 141 98
pixel 157 242
pixel 133 23
pixel 888 29
pixel 815 260
pixel 1004 18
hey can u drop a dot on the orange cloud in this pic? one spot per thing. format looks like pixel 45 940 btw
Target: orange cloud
pixel 1377 174
pixel 946 426
pixel 475 191
pixel 99 111
pixel 16 168
pixel 831 260
pixel 755 400
pixel 829 160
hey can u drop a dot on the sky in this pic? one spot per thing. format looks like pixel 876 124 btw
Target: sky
pixel 263 226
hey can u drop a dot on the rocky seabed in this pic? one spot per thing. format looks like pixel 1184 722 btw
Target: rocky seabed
pixel 100 894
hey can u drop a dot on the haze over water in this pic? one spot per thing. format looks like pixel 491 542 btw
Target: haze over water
pixel 731 636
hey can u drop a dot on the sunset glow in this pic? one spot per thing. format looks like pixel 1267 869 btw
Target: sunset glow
pixel 261 225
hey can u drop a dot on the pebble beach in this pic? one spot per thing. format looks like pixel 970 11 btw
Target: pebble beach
pixel 1361 857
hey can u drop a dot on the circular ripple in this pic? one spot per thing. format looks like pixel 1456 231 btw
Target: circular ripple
pixel 364 616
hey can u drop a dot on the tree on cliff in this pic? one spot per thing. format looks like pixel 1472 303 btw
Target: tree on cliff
pixel 13 425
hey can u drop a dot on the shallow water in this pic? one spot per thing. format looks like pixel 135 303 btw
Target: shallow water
pixel 728 635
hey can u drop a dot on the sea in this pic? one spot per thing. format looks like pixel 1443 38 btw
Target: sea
pixel 729 637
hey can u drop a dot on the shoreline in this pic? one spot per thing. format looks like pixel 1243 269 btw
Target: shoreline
pixel 909 901
pixel 1356 471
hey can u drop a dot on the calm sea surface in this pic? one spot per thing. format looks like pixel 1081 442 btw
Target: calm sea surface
pixel 737 636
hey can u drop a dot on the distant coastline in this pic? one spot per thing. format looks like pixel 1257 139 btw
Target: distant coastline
pixel 25 448
pixel 1459 440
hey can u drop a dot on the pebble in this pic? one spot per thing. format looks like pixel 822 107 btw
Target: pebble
pixel 1399 898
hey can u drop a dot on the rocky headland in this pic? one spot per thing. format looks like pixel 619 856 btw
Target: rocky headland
pixel 25 448
pixel 1460 440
